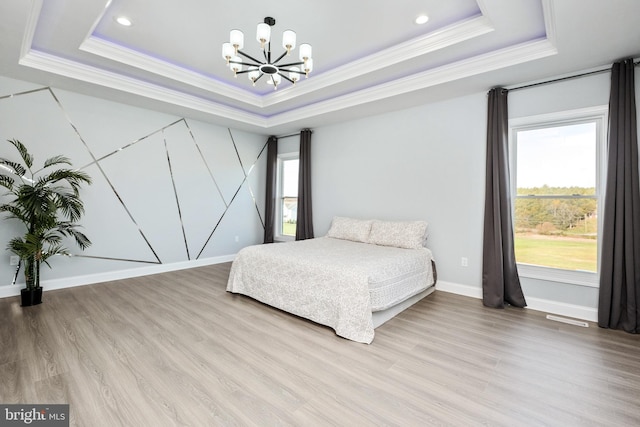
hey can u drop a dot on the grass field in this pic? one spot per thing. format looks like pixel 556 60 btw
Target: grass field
pixel 289 229
pixel 557 252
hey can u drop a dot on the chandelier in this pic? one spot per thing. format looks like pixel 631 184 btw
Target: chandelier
pixel 270 68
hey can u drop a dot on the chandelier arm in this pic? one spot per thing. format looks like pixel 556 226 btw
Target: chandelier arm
pixel 291 64
pixel 248 64
pixel 288 70
pixel 285 77
pixel 269 57
pixel 243 71
pixel 259 77
pixel 280 57
pixel 250 57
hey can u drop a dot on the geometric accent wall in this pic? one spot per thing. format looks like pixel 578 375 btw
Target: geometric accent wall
pixel 165 189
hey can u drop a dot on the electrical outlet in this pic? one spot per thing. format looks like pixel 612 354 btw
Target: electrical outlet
pixel 464 261
pixel 14 260
pixel 237 238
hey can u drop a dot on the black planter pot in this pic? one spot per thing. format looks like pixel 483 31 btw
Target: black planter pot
pixel 31 297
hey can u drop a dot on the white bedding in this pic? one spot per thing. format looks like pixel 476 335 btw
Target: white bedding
pixel 332 281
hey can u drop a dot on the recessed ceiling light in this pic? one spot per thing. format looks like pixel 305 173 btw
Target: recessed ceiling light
pixel 124 21
pixel 422 19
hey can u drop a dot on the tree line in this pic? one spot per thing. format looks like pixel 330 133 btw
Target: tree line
pixel 555 215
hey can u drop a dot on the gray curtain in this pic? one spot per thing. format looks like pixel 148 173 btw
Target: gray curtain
pixel 619 302
pixel 500 281
pixel 271 190
pixel 304 226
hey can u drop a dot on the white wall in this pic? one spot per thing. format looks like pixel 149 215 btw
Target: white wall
pixel 290 144
pixel 162 184
pixel 428 163
pixel 425 163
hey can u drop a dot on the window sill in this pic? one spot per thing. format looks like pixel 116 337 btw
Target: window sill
pixel 282 239
pixel 580 278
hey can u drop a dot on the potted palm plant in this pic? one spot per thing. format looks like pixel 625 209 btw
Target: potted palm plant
pixel 47 202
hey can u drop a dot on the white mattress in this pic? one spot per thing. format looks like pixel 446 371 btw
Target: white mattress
pixel 387 293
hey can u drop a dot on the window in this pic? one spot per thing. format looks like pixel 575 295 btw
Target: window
pixel 287 209
pixel 556 188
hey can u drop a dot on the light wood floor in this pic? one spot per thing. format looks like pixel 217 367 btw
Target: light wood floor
pixel 176 349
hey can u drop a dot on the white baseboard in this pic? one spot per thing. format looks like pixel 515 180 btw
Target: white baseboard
pixel 553 307
pixel 589 314
pixel 458 289
pixel 70 282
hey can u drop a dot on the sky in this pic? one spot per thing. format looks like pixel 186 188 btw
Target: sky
pixel 290 175
pixel 558 157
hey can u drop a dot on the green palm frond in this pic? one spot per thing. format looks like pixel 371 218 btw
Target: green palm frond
pixel 7 182
pixel 73 178
pixel 71 230
pixel 20 248
pixel 56 160
pixel 24 153
pixel 81 239
pixel 53 250
pixel 34 201
pixel 14 212
pixel 15 168
pixel 70 206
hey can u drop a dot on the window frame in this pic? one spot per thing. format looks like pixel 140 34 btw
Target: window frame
pixel 278 235
pixel 597 114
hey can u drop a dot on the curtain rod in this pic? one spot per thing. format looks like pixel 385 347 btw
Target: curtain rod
pixel 293 134
pixel 288 136
pixel 575 76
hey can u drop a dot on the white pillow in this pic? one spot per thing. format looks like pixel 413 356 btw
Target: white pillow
pixel 401 234
pixel 356 230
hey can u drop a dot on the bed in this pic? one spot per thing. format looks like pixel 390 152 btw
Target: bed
pixel 360 275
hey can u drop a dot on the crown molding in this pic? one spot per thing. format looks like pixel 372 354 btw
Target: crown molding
pixel 133 58
pixel 549 20
pixel 86 73
pixel 30 27
pixel 506 57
